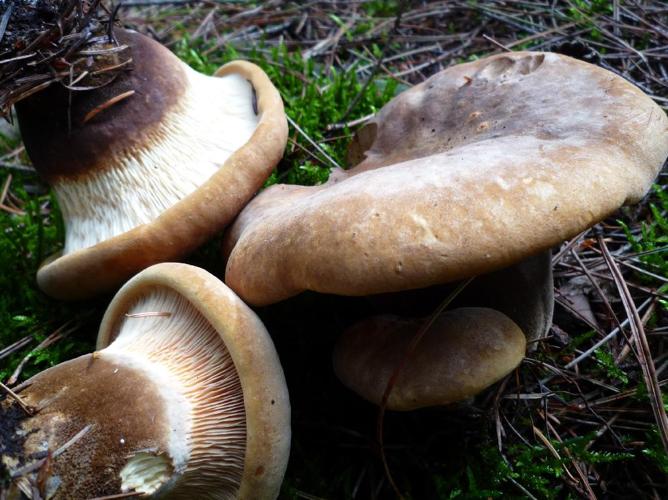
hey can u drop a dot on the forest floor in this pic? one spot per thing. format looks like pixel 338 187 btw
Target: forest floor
pixel 582 416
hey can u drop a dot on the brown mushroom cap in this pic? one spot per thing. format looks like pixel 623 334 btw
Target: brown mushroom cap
pixel 185 398
pixel 465 351
pixel 155 175
pixel 521 295
pixel 481 166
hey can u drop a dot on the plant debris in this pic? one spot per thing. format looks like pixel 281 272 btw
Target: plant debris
pixel 43 42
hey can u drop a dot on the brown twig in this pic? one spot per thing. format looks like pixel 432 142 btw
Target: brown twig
pixel 27 409
pixel 107 104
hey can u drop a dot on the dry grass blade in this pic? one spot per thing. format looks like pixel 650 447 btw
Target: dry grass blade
pixel 644 354
pixel 19 344
pixel 607 338
pixel 149 314
pixel 313 143
pixel 107 104
pixel 543 438
pixel 120 495
pixel 51 339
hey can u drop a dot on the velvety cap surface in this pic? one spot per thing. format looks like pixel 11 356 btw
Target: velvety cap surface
pixel 479 167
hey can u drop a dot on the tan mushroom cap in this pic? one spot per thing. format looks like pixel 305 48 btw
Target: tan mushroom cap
pixel 157 174
pixel 465 351
pixel 481 166
pixel 184 399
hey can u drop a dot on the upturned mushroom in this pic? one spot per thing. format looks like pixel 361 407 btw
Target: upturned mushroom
pixel 479 167
pixel 148 159
pixel 184 398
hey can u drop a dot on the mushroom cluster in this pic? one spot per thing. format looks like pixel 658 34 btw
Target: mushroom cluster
pixel 150 165
pixel 474 174
pixel 185 398
pixel 480 167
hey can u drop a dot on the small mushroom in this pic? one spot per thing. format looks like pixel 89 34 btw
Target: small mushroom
pixel 185 398
pixel 479 167
pixel 462 353
pixel 467 349
pixel 149 165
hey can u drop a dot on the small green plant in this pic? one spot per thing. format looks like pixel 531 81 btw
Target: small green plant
pixel 652 242
pixel 655 451
pixel 30 233
pixel 584 12
pixel 607 361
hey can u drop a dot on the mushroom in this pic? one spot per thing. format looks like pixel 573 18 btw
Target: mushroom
pixel 476 170
pixel 458 355
pixel 184 398
pixel 151 164
pixel 463 352
pixel 481 166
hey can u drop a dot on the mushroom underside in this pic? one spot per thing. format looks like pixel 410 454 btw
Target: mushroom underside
pixel 213 118
pixel 160 410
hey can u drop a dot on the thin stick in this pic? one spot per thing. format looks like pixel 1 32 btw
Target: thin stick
pixel 36 465
pixel 607 338
pixel 19 344
pixel 566 248
pixel 54 337
pixel 5 188
pixel 120 495
pixel 148 314
pixel 120 97
pixel 553 451
pixel 494 42
pixel 313 143
pixel 28 410
pixel 595 284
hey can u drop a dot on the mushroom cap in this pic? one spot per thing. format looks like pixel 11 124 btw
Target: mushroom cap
pixel 184 398
pixel 465 351
pixel 184 173
pixel 265 396
pixel 480 166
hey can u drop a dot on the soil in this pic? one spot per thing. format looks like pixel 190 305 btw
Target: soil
pixel 26 20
